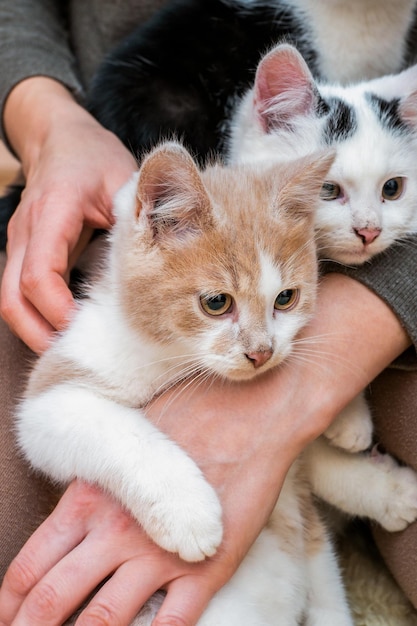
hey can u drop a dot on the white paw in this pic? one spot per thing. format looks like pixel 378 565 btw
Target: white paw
pixel 347 437
pixel 187 521
pixel 399 502
pixel 352 429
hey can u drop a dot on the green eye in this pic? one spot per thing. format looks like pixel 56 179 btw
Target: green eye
pixel 216 305
pixel 330 191
pixel 393 188
pixel 286 299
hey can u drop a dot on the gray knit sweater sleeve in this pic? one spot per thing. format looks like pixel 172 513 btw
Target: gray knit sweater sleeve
pixel 393 276
pixel 34 41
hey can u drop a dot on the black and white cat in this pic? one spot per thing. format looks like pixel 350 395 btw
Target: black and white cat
pixel 369 200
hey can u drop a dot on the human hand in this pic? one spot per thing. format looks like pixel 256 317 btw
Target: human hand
pixel 90 537
pixel 72 169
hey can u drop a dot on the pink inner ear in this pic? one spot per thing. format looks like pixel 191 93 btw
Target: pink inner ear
pixel 408 109
pixel 284 87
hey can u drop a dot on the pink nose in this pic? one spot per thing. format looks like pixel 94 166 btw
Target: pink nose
pixel 368 235
pixel 259 358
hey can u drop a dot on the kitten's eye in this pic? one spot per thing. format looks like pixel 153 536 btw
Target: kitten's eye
pixel 330 191
pixel 216 305
pixel 393 188
pixel 286 299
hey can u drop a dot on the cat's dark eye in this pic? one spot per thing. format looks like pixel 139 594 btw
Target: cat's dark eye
pixel 286 299
pixel 393 188
pixel 330 191
pixel 216 305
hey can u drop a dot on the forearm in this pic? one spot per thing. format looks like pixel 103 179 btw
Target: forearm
pixel 35 109
pixel 392 276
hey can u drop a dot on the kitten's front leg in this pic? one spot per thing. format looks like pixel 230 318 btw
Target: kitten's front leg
pixel 369 484
pixel 352 429
pixel 70 432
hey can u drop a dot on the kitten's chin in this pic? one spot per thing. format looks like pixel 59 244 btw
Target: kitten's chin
pixel 351 257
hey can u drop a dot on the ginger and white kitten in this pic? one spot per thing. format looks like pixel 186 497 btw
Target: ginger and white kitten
pixel 211 272
pixel 194 283
pixel 370 197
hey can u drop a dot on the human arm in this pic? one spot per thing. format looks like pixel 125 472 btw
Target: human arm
pixel 391 275
pixel 72 167
pixel 244 437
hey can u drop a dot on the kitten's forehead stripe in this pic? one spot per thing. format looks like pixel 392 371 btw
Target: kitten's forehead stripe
pixel 341 123
pixel 270 277
pixel 387 112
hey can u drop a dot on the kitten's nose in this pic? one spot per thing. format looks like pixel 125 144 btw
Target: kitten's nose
pixel 260 357
pixel 368 235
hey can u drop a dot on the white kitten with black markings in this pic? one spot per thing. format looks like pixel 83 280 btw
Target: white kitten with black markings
pixel 369 200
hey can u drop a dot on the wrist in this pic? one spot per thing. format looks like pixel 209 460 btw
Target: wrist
pixel 34 108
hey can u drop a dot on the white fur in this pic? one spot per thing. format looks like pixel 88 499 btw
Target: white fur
pixel 378 30
pixel 276 584
pixel 363 163
pixel 339 478
pixel 358 39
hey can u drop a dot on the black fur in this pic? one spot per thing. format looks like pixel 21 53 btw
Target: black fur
pixel 8 204
pixel 181 73
pixel 341 123
pixel 388 113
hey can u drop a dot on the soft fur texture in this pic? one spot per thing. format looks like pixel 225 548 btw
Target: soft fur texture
pixel 229 256
pixel 184 71
pixel 370 197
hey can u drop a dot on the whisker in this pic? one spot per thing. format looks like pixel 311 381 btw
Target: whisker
pixel 188 386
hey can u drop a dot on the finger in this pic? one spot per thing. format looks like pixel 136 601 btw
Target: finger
pixel 186 600
pixel 45 273
pixel 22 317
pixel 124 594
pixel 67 584
pixel 54 539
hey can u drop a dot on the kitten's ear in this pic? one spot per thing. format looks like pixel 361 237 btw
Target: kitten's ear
pixel 400 88
pixel 284 88
pixel 408 109
pixel 394 86
pixel 300 194
pixel 171 194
